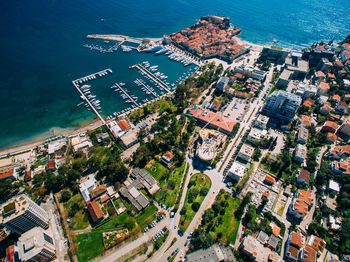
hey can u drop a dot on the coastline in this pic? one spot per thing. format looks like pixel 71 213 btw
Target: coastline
pixel 68 131
pixel 93 124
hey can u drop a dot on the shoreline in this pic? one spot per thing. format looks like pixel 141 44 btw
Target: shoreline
pixel 93 124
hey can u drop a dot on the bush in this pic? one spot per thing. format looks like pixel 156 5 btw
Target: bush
pixel 204 191
pixel 183 211
pixel 195 206
pixel 171 184
pixel 65 196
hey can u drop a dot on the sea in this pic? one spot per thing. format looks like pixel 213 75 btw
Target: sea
pixel 42 51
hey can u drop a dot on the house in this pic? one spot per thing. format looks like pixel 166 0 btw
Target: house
pixel 303 177
pixel 263 237
pixel 98 191
pixel 27 175
pixel 333 186
pixel 294 243
pixel 134 196
pixel 341 107
pixel 123 124
pixel 222 83
pixel 331 138
pixel 305 121
pixel 300 204
pixel 344 131
pixel 276 230
pixel 145 179
pixel 95 212
pixel 272 243
pixel 302 136
pixel 86 187
pixel 319 75
pixel 269 180
pixel 308 102
pixel 261 122
pixel 246 152
pixel 323 88
pixel 330 76
pixel 215 106
pixel 329 126
pixel 129 138
pixel 338 152
pixel 336 98
pixel 308 254
pixel 300 153
pixel 8 174
pixel 102 137
pixel 341 167
pixel 318 244
pixel 237 171
pixel 255 135
pixel 168 158
pixel 51 165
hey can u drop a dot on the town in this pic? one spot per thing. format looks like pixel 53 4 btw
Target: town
pixel 247 160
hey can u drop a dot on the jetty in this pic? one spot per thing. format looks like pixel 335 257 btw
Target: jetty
pixel 151 76
pixel 121 38
pixel 78 81
pixel 125 93
pixel 148 89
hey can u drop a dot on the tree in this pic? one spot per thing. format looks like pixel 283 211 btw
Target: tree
pixel 171 184
pixel 130 223
pixel 257 154
pixel 195 206
pixel 65 196
pixel 204 191
pixel 74 209
pixel 264 200
pixel 183 211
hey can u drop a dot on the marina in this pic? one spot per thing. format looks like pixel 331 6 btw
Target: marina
pixel 126 94
pixel 139 82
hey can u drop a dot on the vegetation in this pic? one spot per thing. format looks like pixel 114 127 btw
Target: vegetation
pixel 218 223
pixel 194 198
pixel 76 213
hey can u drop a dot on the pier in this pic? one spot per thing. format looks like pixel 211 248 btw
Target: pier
pixel 149 90
pixel 151 76
pixel 125 93
pixel 83 96
pixel 103 50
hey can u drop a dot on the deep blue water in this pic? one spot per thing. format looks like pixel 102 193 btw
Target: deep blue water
pixel 41 48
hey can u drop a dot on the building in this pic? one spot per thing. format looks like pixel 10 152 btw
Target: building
pixel 95 212
pixel 344 132
pixel 284 78
pixel 323 88
pixel 256 251
pixel 237 170
pixel 333 186
pixel 339 152
pixel 293 246
pixel 129 138
pixel 304 91
pixel 51 165
pixel 329 126
pixel 303 177
pixel 261 122
pixel 296 65
pixel 215 106
pixel 246 152
pixel 80 142
pixel 98 191
pixel 102 137
pixel 318 244
pixel 324 65
pixel 214 253
pixel 300 204
pixel 262 237
pixel 56 145
pixel 210 119
pixel 123 124
pixel 250 71
pixel 209 144
pixel 8 174
pixel 36 245
pixel 303 135
pixel 146 180
pixel 21 214
pixel 272 242
pixel 86 187
pixel 222 83
pixel 275 53
pixel 282 105
pixel 341 107
pixel 168 158
pixel 255 135
pixel 305 121
pixel 27 175
pixel 136 198
pixel 308 254
pixel 300 153
pixel 269 180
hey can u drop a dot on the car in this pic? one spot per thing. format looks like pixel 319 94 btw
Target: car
pixel 186 243
pixel 243 228
pixel 240 239
pixel 182 254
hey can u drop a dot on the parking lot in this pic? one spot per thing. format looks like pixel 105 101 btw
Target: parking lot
pixel 236 109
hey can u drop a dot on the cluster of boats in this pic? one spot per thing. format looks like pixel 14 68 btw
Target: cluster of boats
pixel 126 48
pixel 123 93
pixel 155 72
pixel 159 50
pixel 85 89
pixel 146 88
pixel 93 76
pixel 101 49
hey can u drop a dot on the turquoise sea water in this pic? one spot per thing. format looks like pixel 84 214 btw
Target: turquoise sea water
pixel 41 48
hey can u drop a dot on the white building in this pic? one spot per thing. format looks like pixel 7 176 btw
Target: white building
pixel 261 122
pixel 282 105
pixel 303 135
pixel 246 152
pixel 36 245
pixel 334 186
pixel 53 146
pixel 21 214
pixel 86 187
pixel 80 141
pixel 236 171
pixel 255 135
pixel 300 153
pixel 304 91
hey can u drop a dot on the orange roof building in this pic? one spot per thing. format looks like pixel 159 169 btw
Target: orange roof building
pixel 276 230
pixel 308 254
pixel 295 240
pixel 306 121
pixel 269 179
pixel 124 125
pixel 98 191
pixel 213 120
pixel 95 211
pixel 332 137
pixel 330 126
pixel 337 98
pixel 7 174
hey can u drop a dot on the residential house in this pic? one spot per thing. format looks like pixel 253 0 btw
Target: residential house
pixel 333 186
pixel 318 244
pixel 344 132
pixel 305 121
pixel 302 136
pixel 323 88
pixel 300 204
pixel 341 107
pixel 246 152
pixel 98 191
pixel 261 122
pixel 95 212
pixel 331 138
pixel 300 153
pixel 329 126
pixel 303 177
pixel 51 165
pixel 168 158
pixel 293 246
pixel 8 174
pixel 308 254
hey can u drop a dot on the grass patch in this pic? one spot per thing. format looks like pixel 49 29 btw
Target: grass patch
pixel 169 182
pixel 80 220
pixel 147 216
pixel 113 222
pixel 197 182
pixel 280 210
pixel 88 245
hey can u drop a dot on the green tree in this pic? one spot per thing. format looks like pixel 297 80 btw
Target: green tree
pixel 204 191
pixel 65 196
pixel 195 206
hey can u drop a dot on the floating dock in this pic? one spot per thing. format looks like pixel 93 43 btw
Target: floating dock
pixel 148 89
pixel 125 93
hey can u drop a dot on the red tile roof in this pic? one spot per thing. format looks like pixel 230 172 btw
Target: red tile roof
pixel 94 211
pixel 306 120
pixel 309 254
pixel 305 175
pixel 123 125
pixel 5 174
pixel 296 240
pixel 168 155
pixel 270 179
pixel 98 191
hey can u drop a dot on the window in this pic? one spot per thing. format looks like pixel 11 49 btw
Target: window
pixel 48 239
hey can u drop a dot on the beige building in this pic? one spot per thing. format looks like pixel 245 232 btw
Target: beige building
pixel 246 152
